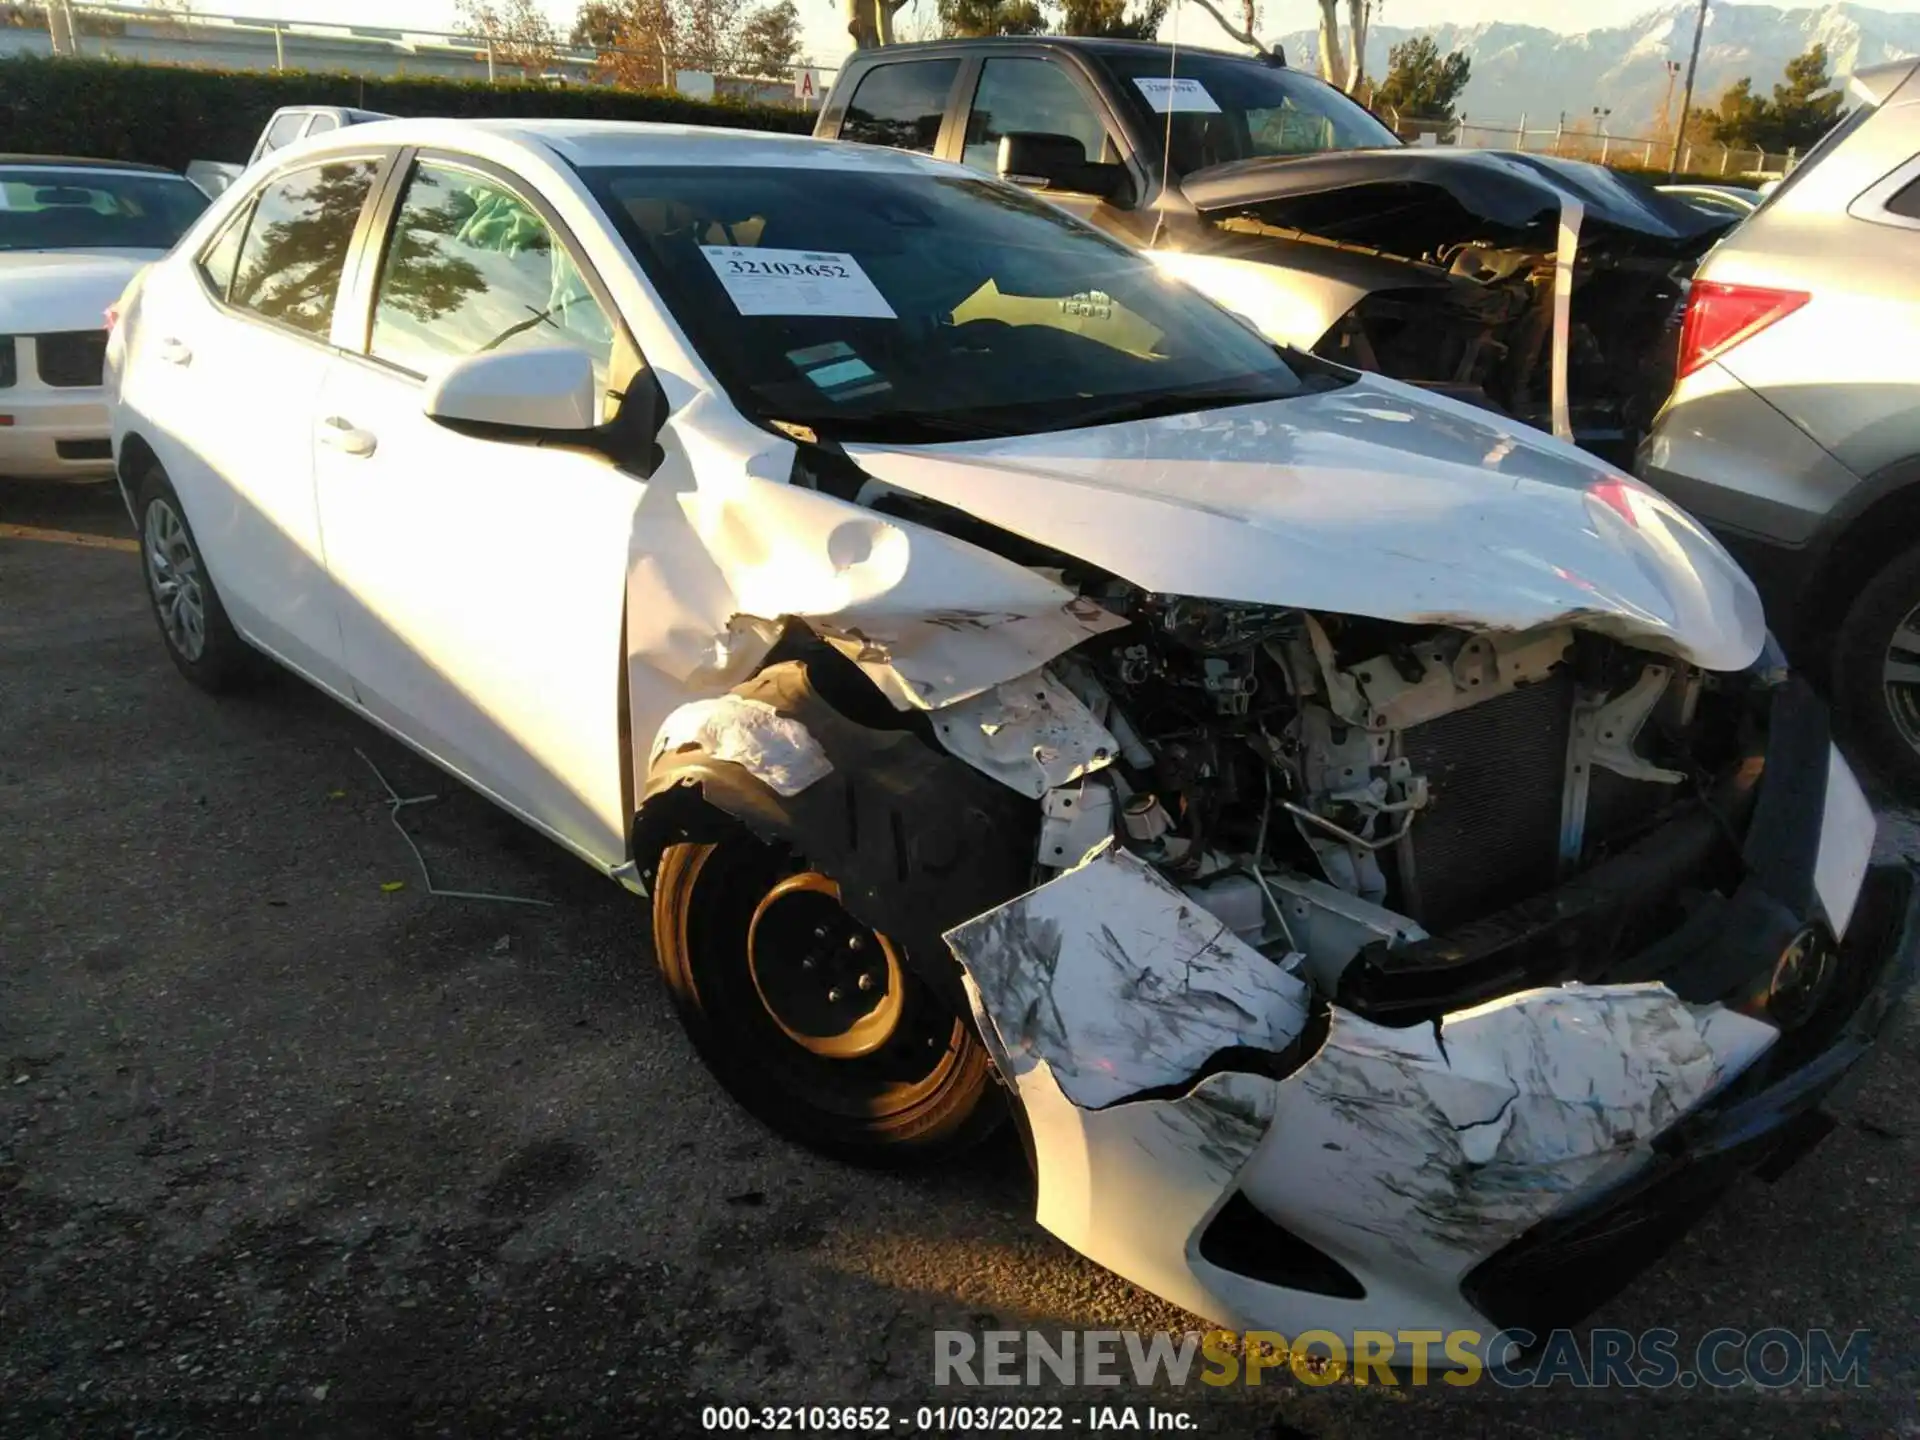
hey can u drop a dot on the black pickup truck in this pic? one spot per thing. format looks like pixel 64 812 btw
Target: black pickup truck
pixel 1541 287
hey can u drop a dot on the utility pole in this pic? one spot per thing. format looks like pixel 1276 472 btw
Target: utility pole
pixel 1686 99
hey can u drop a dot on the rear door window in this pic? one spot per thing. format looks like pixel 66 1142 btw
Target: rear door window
pixel 901 106
pixel 295 250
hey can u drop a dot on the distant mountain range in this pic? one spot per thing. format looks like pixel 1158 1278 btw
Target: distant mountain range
pixel 1526 70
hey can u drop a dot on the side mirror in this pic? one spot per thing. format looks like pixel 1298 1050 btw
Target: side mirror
pixel 542 394
pixel 1056 162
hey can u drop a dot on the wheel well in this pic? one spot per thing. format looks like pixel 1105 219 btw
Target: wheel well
pixel 917 839
pixel 1885 529
pixel 136 458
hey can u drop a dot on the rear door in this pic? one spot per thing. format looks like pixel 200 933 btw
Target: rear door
pixel 481 584
pixel 229 359
pixel 904 105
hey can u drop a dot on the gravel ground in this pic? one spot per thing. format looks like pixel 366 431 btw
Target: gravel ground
pixel 285 1148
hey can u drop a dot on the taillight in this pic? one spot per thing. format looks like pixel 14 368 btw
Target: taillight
pixel 113 318
pixel 1720 317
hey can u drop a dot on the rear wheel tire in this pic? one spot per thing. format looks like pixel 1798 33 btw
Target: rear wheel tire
pixel 766 970
pixel 200 640
pixel 1876 684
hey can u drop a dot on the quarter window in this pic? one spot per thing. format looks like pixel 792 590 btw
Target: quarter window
pixel 472 267
pixel 296 245
pixel 217 261
pixel 1035 96
pixel 901 106
pixel 1906 201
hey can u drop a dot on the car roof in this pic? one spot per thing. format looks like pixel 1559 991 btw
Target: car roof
pixel 1097 44
pixel 74 162
pixel 633 142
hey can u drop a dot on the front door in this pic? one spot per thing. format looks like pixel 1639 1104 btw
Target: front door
pixel 1019 93
pixel 481 584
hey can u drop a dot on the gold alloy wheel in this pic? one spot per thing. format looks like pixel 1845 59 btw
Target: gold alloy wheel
pixel 832 985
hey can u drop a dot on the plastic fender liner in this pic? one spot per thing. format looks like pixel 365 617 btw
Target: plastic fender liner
pixel 918 840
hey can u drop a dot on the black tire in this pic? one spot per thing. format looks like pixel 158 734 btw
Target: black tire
pixel 209 653
pixel 927 1092
pixel 1881 718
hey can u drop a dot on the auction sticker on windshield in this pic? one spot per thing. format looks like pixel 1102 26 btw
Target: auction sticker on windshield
pixel 1169 94
pixel 761 281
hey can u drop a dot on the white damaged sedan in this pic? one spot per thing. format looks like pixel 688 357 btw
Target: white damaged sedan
pixel 1371 849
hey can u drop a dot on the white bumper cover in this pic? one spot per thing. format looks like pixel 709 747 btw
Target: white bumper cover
pixel 1164 1066
pixel 34 422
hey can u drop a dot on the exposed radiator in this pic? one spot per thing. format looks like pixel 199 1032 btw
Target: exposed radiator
pixel 1491 834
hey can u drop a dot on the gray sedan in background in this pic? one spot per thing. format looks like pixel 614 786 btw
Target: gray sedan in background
pixel 1794 428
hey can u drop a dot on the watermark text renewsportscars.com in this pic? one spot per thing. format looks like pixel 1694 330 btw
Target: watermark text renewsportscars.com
pixel 1720 1359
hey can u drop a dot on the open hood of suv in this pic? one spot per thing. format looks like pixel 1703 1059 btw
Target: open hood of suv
pixel 1411 200
pixel 1374 499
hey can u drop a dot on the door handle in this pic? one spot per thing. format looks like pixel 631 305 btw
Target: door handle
pixel 175 352
pixel 342 435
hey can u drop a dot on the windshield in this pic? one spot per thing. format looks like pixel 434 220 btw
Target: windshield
pixel 904 305
pixel 45 207
pixel 1216 109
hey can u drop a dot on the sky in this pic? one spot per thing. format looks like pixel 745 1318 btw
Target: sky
pixel 826 36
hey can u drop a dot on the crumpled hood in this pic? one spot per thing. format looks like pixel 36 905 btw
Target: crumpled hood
pixel 1411 199
pixel 52 290
pixel 1375 499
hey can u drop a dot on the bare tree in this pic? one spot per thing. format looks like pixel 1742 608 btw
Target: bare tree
pixel 1359 15
pixel 517 32
pixel 1333 65
pixel 870 22
pixel 641 43
pixel 1242 32
pixel 770 40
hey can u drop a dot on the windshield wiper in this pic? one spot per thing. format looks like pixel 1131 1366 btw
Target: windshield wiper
pixel 899 426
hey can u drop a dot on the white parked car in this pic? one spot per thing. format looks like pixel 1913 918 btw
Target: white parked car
pixel 1372 846
pixel 72 234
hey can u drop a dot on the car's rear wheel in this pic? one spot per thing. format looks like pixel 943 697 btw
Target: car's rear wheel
pixel 200 640
pixel 1877 670
pixel 813 1021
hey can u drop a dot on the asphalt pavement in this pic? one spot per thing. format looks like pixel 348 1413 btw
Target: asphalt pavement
pixel 288 1144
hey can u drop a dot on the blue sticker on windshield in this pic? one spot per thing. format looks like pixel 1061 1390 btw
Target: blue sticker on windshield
pixel 837 371
pixel 829 377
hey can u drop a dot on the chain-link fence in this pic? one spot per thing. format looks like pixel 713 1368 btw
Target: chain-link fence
pixel 1595 143
pixel 183 34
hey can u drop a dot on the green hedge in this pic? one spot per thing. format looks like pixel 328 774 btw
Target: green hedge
pixel 170 115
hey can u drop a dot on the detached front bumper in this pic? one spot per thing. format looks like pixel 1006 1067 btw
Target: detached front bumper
pixel 1205 1126
pixel 1766 1120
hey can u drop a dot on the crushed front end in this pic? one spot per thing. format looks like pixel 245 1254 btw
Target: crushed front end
pixel 1394 976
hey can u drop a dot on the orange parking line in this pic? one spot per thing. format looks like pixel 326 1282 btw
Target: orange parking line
pixel 68 537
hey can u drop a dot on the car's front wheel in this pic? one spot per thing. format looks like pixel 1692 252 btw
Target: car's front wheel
pixel 200 639
pixel 812 1020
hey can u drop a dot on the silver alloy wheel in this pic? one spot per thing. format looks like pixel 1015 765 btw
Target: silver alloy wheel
pixel 174 576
